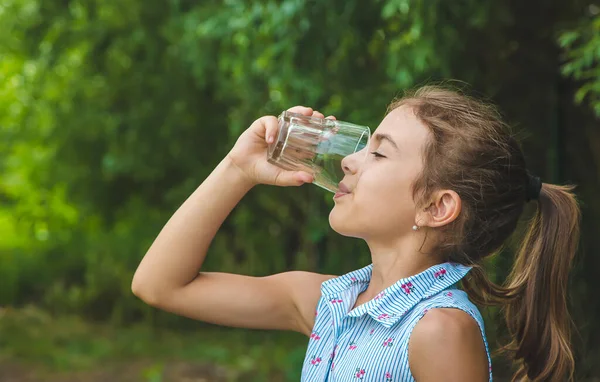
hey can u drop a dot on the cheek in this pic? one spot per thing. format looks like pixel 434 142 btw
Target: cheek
pixel 378 204
pixel 383 206
pixel 385 187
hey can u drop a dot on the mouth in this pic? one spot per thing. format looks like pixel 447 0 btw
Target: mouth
pixel 342 191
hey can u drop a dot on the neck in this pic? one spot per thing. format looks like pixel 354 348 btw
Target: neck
pixel 396 260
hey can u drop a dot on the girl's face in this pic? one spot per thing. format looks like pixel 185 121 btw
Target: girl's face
pixel 378 203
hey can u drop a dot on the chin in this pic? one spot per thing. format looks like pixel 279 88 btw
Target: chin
pixel 344 225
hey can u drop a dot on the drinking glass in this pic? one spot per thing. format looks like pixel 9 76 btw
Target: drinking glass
pixel 317 146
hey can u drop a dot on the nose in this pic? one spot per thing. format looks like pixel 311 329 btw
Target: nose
pixel 351 163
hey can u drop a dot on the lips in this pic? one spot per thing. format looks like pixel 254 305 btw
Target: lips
pixel 342 190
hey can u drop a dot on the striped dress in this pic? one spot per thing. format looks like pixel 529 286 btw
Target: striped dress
pixel 370 342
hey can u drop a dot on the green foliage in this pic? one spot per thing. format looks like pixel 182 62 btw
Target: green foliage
pixel 57 347
pixel 112 112
pixel 582 55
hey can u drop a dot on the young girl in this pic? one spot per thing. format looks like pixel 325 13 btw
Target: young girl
pixel 442 188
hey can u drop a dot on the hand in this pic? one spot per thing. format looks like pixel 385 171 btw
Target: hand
pixel 249 153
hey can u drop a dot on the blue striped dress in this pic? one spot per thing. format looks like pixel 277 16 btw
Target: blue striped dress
pixel 370 342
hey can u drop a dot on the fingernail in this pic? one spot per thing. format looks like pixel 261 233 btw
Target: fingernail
pixel 270 139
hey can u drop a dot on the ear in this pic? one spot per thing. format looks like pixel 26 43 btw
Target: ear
pixel 444 209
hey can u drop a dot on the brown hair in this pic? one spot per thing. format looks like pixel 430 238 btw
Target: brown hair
pixel 475 154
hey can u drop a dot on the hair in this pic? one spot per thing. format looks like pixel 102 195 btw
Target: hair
pixel 473 152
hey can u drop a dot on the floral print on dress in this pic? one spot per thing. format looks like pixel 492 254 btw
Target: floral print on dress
pixel 378 327
pixel 408 287
pixel 360 373
pixel 355 281
pixel 440 274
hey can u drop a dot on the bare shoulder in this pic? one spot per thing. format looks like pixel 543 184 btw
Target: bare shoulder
pixel 305 290
pixel 447 341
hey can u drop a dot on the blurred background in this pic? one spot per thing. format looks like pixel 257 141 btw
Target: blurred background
pixel 113 111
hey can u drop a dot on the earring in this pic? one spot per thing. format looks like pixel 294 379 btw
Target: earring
pixel 415 227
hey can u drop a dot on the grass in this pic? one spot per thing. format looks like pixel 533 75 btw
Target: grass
pixel 68 348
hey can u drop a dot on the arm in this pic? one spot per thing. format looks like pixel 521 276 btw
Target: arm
pixel 168 276
pixel 447 344
pixel 178 252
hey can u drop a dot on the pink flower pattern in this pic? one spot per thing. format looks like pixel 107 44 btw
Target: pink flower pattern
pixel 408 287
pixel 360 373
pixel 440 274
pixel 315 360
pixel 332 356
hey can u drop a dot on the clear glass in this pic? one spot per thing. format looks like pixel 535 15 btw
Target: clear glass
pixel 317 146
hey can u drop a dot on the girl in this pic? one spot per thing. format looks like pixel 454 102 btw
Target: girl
pixel 442 188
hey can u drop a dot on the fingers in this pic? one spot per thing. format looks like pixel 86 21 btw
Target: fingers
pixel 303 177
pixel 309 111
pixel 271 125
pixel 317 114
pixel 293 178
pixel 301 110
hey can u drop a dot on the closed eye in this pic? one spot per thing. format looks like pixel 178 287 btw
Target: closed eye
pixel 377 155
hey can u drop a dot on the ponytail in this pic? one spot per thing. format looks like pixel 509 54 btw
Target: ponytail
pixel 535 293
pixel 537 316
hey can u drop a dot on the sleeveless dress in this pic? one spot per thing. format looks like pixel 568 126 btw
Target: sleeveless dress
pixel 370 342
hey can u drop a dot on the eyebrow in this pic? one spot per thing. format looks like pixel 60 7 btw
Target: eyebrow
pixel 385 137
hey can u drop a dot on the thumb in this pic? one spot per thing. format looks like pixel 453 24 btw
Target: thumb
pixel 293 178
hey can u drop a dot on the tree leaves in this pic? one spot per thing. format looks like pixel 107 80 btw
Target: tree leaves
pixel 113 111
pixel 582 56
